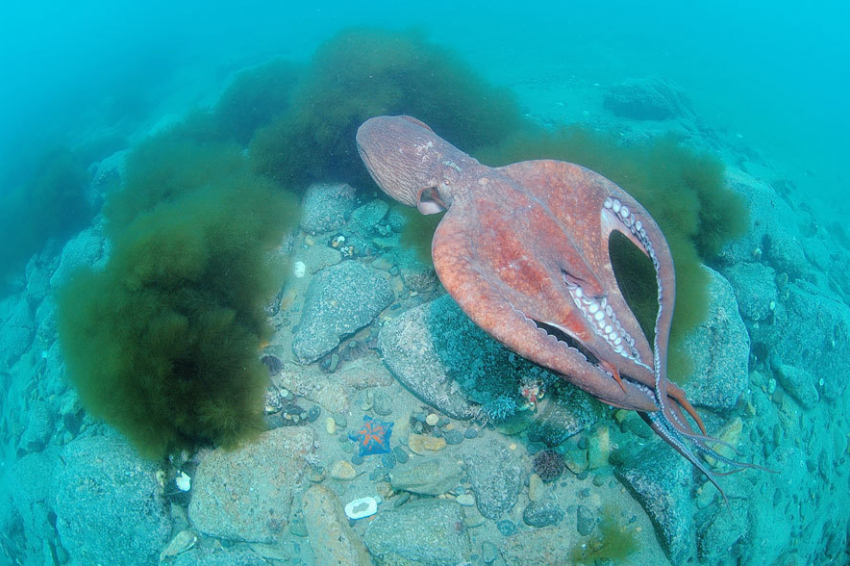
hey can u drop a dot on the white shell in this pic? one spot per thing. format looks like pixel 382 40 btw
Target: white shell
pixel 361 508
pixel 184 482
pixel 299 269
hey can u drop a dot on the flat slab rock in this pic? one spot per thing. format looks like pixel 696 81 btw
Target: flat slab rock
pixel 326 207
pixel 108 505
pixel 407 346
pixel 341 300
pixel 246 494
pixel 424 532
pixel 662 481
pixel 496 478
pixel 331 537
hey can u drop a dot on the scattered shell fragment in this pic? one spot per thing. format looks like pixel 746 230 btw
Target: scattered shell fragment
pixel 183 481
pixel 182 541
pixel 361 508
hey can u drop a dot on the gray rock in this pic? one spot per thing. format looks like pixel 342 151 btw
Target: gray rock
pixel 495 476
pixel 438 353
pixel 417 275
pixel 331 538
pixel 720 349
pixel 799 383
pixel 317 258
pixel 755 289
pixel 326 207
pixel 365 219
pixel 773 234
pixel 38 280
pixel 29 482
pixel 722 534
pixel 649 99
pixel 427 476
pixel 108 505
pixel 406 343
pixel 817 253
pixel 108 175
pixel 246 494
pixel 39 429
pixel 813 332
pixel 542 513
pixel 662 481
pixel 88 249
pixel 16 331
pixel 423 532
pixel 340 300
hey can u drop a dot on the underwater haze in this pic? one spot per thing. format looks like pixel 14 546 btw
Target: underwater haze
pixel 226 336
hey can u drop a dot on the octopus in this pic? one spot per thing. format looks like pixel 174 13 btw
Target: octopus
pixel 523 250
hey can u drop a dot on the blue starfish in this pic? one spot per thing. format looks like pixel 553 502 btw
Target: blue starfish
pixel 374 437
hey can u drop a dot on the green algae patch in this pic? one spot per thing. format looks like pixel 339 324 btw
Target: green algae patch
pixel 611 543
pixel 163 343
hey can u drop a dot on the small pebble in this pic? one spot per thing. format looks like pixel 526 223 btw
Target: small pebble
pixel 467 499
pixel 470 433
pixel 401 499
pixel 420 444
pixel 489 552
pixel 297 527
pixel 443 421
pixel 331 363
pixel 585 520
pixel 356 459
pixel 400 455
pixel 342 470
pixel 536 489
pixel 330 425
pixel 542 514
pixel 388 461
pixel 453 437
pixel 432 419
pixel 313 413
pixel 382 404
pixel 506 527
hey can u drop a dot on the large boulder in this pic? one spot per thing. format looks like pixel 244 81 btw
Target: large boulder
pixel 108 504
pixel 341 300
pixel 246 494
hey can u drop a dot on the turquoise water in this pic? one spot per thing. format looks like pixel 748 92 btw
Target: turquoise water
pixel 360 326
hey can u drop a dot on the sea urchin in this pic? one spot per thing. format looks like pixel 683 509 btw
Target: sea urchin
pixel 548 464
